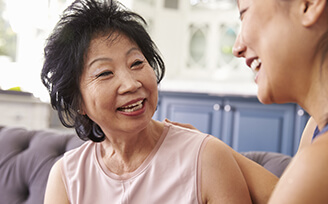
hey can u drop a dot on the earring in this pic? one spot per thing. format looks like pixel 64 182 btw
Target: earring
pixel 97 132
pixel 81 112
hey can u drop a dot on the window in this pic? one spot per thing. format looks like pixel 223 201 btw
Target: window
pixel 24 27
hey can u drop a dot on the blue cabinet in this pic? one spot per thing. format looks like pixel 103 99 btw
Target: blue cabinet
pixel 252 126
pixel 202 112
pixel 243 123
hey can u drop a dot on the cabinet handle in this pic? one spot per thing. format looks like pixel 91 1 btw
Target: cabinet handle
pixel 227 108
pixel 216 107
pixel 300 112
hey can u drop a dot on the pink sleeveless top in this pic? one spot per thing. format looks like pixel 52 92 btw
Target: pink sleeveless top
pixel 170 174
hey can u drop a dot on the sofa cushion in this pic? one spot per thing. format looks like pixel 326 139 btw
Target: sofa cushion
pixel 26 158
pixel 272 161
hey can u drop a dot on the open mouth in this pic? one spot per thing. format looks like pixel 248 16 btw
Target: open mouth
pixel 256 64
pixel 132 107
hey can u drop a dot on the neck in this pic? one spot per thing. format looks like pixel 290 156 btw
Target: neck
pixel 316 100
pixel 124 154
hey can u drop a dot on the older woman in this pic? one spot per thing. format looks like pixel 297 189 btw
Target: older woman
pixel 285 42
pixel 101 69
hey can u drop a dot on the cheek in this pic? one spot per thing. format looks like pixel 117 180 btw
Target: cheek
pixel 152 87
pixel 150 78
pixel 96 98
pixel 257 29
pixel 249 33
pixel 151 83
pixel 88 102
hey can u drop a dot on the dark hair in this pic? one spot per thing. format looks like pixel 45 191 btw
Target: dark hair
pixel 67 46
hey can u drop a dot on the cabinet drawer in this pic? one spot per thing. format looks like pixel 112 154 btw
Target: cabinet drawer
pixel 28 115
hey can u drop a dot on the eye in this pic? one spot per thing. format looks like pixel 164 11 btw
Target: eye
pixel 241 14
pixel 103 74
pixel 137 63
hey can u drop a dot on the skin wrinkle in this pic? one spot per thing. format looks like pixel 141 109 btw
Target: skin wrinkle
pixel 102 107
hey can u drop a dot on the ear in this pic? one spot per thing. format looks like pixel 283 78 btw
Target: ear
pixel 81 109
pixel 312 10
pixel 81 112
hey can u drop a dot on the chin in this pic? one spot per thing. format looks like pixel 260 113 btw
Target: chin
pixel 264 97
pixel 265 101
pixel 277 99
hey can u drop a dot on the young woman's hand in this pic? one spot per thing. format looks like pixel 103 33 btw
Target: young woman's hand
pixel 185 125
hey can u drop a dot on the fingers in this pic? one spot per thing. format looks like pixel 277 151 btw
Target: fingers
pixel 184 125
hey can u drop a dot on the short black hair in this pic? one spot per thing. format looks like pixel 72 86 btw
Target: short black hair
pixel 67 46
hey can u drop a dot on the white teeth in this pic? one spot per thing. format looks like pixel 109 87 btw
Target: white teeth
pixel 132 107
pixel 134 104
pixel 255 64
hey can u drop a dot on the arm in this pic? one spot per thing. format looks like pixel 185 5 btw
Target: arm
pixel 221 179
pixel 260 181
pixel 56 190
pixel 306 178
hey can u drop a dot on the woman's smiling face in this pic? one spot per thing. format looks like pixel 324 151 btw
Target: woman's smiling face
pixel 270 43
pixel 118 86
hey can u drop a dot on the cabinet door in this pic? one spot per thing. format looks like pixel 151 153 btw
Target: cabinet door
pixel 204 114
pixel 252 126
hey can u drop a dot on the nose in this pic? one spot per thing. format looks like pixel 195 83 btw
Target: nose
pixel 128 83
pixel 239 48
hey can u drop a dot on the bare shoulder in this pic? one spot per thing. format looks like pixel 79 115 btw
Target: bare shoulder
pixel 56 190
pixel 306 179
pixel 214 148
pixel 217 153
pixel 221 179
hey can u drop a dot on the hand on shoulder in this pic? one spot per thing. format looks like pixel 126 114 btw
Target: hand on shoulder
pixel 184 125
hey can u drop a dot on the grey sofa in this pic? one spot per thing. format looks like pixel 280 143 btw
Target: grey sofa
pixel 27 156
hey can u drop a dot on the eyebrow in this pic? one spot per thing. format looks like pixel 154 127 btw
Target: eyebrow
pixel 99 59
pixel 110 59
pixel 132 49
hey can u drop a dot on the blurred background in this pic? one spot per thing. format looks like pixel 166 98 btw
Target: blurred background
pixel 205 85
pixel 195 38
